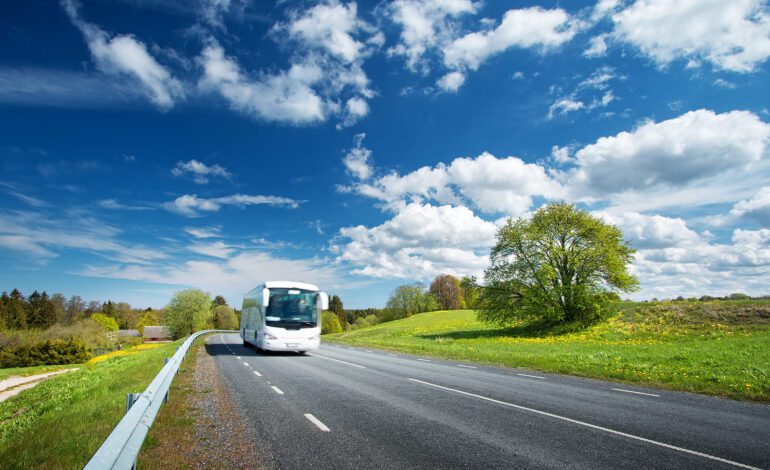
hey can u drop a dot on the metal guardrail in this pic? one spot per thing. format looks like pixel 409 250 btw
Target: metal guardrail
pixel 120 449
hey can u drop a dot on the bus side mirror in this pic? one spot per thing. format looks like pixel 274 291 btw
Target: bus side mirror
pixel 323 298
pixel 265 297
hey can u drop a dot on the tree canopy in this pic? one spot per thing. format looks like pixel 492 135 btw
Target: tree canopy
pixel 187 312
pixel 224 318
pixel 562 264
pixel 446 289
pixel 330 323
pixel 408 299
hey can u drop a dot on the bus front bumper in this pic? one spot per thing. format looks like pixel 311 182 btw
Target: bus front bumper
pixel 291 344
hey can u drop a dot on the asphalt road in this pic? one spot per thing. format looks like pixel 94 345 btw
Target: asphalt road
pixel 355 408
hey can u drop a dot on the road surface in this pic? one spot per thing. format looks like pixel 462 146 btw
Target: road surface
pixel 355 408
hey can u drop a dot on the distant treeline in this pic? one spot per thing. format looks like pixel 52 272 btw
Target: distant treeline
pixel 41 311
pixel 52 329
pixel 709 298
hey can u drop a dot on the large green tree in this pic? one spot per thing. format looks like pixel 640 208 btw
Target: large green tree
pixel 563 264
pixel 187 312
pixel 446 289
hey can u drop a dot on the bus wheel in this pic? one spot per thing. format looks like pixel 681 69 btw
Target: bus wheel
pixel 302 353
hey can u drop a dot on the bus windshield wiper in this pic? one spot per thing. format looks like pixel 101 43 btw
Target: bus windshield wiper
pixel 308 323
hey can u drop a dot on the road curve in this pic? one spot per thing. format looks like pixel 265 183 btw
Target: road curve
pixel 356 408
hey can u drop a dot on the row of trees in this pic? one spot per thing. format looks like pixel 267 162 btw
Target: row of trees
pixel 41 311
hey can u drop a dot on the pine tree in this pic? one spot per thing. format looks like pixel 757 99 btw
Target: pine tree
pixel 4 299
pixel 218 300
pixel 33 307
pixel 47 313
pixel 108 309
pixel 335 305
pixel 17 310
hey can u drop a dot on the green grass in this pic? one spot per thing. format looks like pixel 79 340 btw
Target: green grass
pixel 719 348
pixel 63 421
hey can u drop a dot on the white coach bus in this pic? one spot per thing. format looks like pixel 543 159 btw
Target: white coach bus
pixel 283 316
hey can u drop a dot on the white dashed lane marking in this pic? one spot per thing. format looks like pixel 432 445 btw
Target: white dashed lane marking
pixel 635 392
pixel 317 422
pixel 531 376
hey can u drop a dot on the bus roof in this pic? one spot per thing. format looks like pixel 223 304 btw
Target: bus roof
pixel 290 285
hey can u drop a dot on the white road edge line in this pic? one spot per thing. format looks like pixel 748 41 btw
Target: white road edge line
pixel 238 357
pixel 245 363
pixel 336 360
pixel 637 393
pixel 424 360
pixel 467 367
pixel 257 374
pixel 317 422
pixel 589 425
pixel 392 355
pixel 532 376
pixel 277 390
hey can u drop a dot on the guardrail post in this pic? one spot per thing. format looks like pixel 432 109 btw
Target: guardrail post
pixel 130 399
pixel 165 397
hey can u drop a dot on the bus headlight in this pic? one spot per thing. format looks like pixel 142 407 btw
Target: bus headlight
pixel 269 336
pixel 313 338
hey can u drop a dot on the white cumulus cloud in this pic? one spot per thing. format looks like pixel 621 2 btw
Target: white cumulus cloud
pixel 673 153
pixel 451 82
pixel 425 25
pixel 419 242
pixel 357 160
pixel 757 207
pixel 532 27
pixel 732 35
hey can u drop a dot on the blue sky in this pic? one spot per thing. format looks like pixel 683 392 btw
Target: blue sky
pixel 152 145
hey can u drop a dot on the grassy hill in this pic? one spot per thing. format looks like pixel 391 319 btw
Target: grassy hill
pixel 719 347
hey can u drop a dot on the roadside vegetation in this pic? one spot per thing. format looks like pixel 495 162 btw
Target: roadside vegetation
pixel 61 422
pixel 51 330
pixel 719 347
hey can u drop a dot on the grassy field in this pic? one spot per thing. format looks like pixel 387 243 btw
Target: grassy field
pixel 720 348
pixel 61 422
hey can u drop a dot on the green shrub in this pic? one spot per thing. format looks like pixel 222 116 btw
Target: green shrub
pixel 72 351
pixel 330 323
pixel 108 322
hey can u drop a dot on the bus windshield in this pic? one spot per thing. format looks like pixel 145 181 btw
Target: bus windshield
pixel 292 307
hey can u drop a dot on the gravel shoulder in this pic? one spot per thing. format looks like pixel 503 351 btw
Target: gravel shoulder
pixel 201 426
